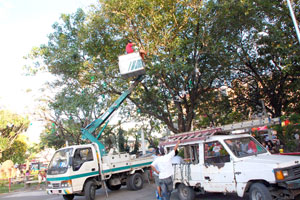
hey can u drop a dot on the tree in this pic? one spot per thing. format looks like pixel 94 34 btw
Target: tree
pixel 121 140
pixel 71 109
pixel 181 66
pixel 194 48
pixel 264 54
pixel 16 152
pixel 11 125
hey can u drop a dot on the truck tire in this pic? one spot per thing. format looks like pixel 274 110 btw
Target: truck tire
pixel 68 196
pixel 128 183
pixel 259 191
pixel 185 192
pixel 135 182
pixel 113 187
pixel 90 190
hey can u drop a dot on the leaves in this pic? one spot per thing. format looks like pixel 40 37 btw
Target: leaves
pixel 11 125
pixel 16 152
pixel 195 50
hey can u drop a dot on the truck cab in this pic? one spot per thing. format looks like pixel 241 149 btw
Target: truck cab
pixel 70 167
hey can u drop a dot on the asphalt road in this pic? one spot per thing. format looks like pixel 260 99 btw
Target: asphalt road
pixel 147 193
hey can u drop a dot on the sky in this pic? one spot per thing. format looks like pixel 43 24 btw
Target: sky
pixel 25 24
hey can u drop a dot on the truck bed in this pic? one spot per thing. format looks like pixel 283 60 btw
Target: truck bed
pixel 112 164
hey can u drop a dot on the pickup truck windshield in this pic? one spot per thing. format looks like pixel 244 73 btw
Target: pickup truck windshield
pixel 247 146
pixel 59 162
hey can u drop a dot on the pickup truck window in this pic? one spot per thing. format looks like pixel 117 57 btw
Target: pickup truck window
pixel 191 154
pixel 214 152
pixel 247 146
pixel 81 156
pixel 59 162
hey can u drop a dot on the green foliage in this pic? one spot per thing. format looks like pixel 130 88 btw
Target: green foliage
pixel 286 134
pixel 260 44
pixel 16 152
pixel 11 125
pixel 194 50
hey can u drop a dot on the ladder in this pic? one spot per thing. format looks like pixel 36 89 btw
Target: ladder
pixel 205 133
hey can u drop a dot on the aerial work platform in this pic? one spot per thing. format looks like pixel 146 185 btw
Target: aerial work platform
pixel 131 65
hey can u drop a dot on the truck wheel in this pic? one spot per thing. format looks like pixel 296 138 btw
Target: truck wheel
pixel 259 191
pixel 68 196
pixel 113 187
pixel 185 192
pixel 135 182
pixel 90 190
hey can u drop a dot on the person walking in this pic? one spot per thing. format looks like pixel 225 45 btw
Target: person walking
pixel 155 175
pixel 163 167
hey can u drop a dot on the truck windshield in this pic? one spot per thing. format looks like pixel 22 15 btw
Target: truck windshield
pixel 59 162
pixel 247 146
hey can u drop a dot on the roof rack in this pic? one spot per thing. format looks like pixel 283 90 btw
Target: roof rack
pixel 204 134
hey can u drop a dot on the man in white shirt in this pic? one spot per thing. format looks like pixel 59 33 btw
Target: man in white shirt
pixel 165 172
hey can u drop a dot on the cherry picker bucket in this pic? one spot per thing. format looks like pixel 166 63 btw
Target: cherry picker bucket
pixel 131 65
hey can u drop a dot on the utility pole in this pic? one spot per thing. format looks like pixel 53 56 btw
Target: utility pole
pixel 143 141
pixel 294 19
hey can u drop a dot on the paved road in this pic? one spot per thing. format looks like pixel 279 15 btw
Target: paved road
pixel 147 193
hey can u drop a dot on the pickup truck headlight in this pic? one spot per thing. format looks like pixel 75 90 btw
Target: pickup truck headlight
pixel 281 174
pixel 285 173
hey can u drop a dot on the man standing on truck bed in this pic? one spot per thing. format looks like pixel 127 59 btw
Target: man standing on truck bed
pixel 164 164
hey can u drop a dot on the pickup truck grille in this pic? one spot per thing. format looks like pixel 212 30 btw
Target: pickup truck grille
pixel 55 185
pixel 296 171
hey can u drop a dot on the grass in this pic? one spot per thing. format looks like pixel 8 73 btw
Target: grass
pixel 4 186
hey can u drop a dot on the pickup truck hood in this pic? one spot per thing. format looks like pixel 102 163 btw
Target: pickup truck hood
pixel 278 161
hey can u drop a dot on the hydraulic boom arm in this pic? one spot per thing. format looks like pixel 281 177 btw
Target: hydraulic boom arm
pixel 91 128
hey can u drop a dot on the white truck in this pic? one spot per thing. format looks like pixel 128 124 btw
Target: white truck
pixel 81 169
pixel 219 161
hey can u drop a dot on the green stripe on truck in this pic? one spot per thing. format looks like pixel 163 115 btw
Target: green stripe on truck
pixel 73 177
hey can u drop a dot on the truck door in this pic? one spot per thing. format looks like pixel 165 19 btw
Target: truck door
pixel 84 165
pixel 217 167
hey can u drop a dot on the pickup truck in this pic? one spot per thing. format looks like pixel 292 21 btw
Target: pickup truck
pixel 79 170
pixel 239 164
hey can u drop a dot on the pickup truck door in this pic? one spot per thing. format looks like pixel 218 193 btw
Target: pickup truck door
pixel 217 167
pixel 84 165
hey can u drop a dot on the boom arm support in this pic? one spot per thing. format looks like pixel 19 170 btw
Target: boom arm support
pixel 91 128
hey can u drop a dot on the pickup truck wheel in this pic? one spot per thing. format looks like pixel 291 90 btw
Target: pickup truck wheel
pixel 135 182
pixel 259 191
pixel 113 187
pixel 185 192
pixel 90 190
pixel 68 196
